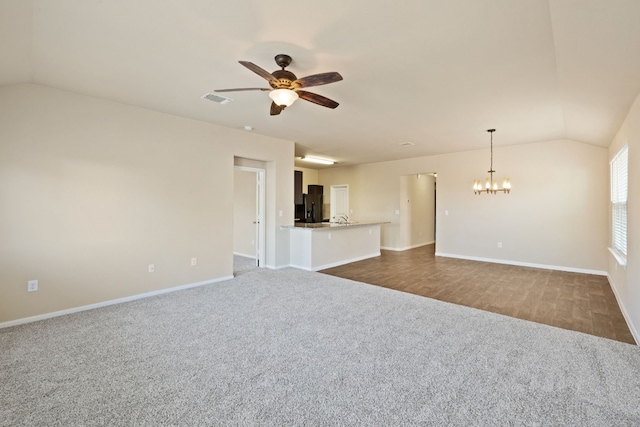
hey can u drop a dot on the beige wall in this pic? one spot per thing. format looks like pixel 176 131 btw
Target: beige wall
pixel 626 281
pixel 556 215
pixel 93 191
pixel 309 177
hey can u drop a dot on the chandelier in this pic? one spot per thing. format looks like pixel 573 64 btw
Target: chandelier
pixel 491 186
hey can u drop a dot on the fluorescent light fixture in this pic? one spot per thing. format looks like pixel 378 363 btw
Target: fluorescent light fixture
pixel 317 160
pixel 284 97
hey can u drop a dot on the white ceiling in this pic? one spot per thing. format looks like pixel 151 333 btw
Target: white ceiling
pixel 437 73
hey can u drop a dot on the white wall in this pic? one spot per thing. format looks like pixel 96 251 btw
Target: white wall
pixel 555 216
pixel 92 191
pixel 626 281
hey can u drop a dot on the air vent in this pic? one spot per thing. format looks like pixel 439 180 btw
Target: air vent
pixel 216 98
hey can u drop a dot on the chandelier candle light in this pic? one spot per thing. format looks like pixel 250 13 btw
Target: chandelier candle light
pixel 491 186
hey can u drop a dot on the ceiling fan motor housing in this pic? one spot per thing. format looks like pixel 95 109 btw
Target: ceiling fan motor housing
pixel 284 79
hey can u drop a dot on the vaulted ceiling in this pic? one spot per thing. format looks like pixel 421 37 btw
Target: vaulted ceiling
pixel 437 73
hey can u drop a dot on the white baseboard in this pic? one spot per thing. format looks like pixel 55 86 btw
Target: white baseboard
pixel 627 319
pixel 335 264
pixel 406 248
pixel 245 255
pixel 277 267
pixel 107 303
pixel 525 264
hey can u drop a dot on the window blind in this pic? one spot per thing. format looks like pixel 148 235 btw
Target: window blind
pixel 619 166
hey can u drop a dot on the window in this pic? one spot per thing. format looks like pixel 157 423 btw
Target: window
pixel 619 204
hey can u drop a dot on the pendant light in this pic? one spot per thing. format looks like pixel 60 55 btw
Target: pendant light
pixel 491 186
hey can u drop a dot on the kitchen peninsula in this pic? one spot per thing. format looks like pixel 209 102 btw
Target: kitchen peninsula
pixel 316 246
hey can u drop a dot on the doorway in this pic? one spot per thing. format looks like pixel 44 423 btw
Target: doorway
pixel 249 213
pixel 417 210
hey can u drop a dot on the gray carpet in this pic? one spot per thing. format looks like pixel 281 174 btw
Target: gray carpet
pixel 290 347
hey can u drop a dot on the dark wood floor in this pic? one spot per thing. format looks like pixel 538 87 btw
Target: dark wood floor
pixel 575 301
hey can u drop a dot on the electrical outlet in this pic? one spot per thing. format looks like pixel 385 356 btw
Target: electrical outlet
pixel 499 245
pixel 32 285
pixel 152 268
pixel 194 261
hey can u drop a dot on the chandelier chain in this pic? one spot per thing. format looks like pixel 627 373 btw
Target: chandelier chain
pixel 492 186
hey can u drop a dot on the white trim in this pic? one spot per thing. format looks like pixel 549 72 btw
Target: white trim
pixel 627 319
pixel 525 264
pixel 620 258
pixel 337 263
pixel 278 267
pixel 245 255
pixel 388 248
pixel 108 303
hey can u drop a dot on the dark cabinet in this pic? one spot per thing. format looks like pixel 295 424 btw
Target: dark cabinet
pixel 297 187
pixel 314 189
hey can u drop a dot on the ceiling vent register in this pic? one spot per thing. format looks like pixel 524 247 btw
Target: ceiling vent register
pixel 216 98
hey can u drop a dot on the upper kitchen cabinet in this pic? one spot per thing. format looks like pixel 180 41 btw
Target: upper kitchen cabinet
pixel 297 187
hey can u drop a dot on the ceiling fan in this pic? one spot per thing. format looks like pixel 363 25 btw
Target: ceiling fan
pixel 285 86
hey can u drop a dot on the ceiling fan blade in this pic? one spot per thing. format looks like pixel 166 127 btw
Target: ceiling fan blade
pixel 317 99
pixel 241 89
pixel 259 71
pixel 276 109
pixel 318 79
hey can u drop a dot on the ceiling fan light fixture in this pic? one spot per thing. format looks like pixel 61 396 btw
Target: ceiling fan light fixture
pixel 317 160
pixel 283 97
pixel 284 85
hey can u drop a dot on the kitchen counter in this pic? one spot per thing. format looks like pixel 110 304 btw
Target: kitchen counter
pixel 330 225
pixel 316 246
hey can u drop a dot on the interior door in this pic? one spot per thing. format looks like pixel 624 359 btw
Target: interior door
pixel 339 202
pixel 249 214
pixel 260 218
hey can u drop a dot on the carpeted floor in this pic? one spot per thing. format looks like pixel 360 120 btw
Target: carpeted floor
pixel 289 347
